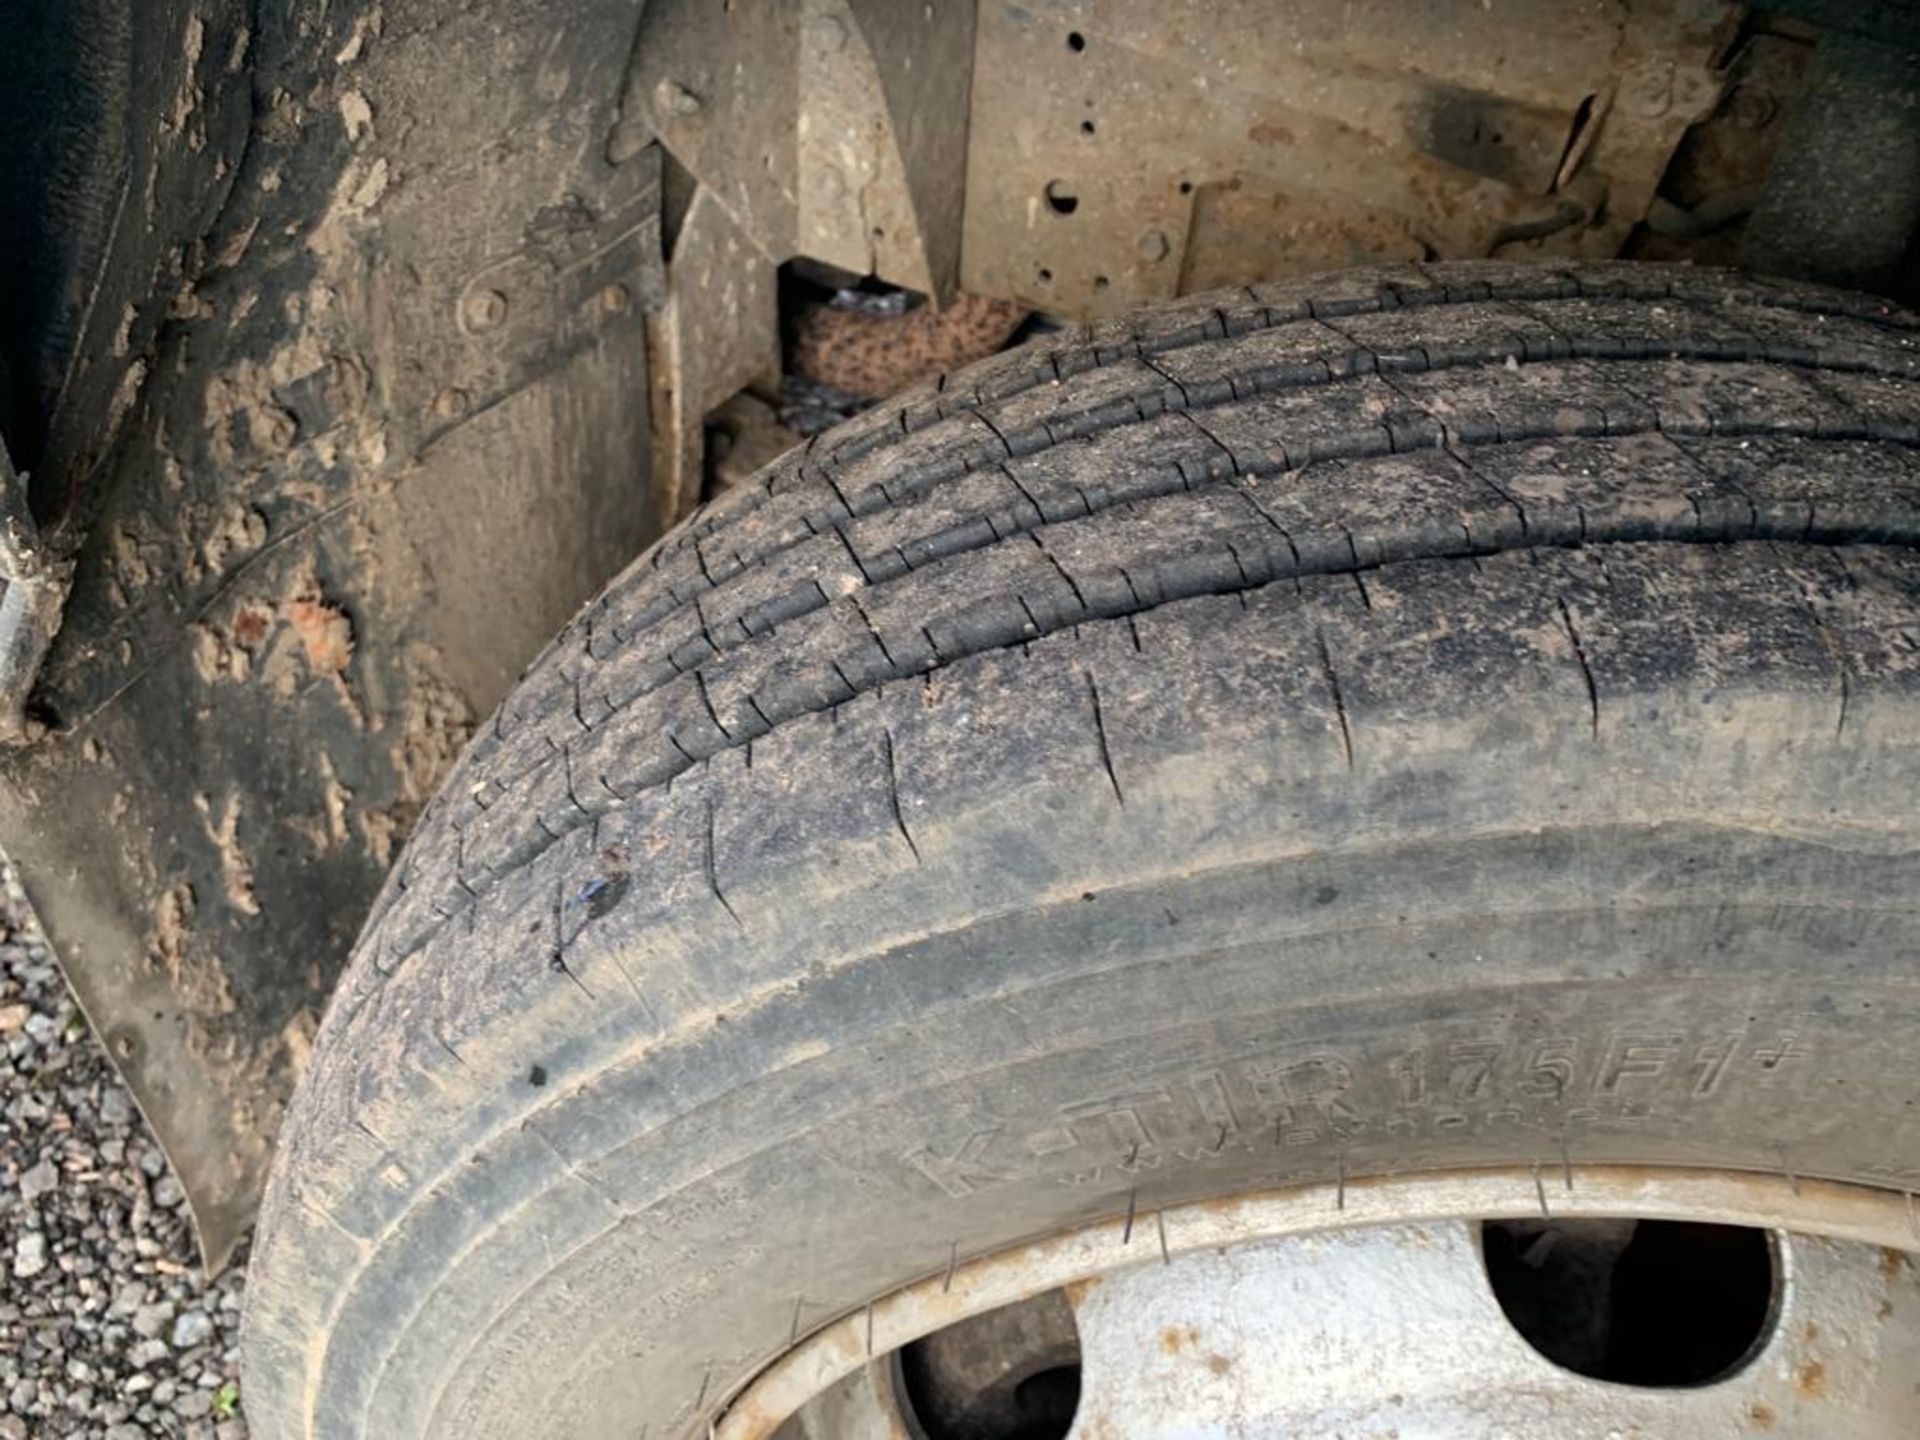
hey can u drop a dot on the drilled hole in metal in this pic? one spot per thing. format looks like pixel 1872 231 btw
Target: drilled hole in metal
pixel 1060 197
pixel 1010 1374
pixel 1638 1302
pixel 1076 42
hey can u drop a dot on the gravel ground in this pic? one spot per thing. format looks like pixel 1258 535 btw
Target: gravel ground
pixel 106 1329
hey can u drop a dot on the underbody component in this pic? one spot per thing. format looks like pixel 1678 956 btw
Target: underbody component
pixel 1121 153
pixel 835 129
pixel 1109 153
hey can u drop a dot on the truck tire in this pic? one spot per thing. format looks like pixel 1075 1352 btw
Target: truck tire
pixel 1420 718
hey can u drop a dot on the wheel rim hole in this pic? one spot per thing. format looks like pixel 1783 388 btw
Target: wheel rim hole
pixel 1010 1374
pixel 1655 1303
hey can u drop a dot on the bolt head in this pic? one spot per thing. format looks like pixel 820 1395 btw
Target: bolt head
pixel 1648 92
pixel 673 98
pixel 483 310
pixel 1153 245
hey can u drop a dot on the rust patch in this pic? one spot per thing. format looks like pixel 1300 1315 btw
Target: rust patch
pixel 1762 1415
pixel 1893 1263
pixel 324 631
pixel 252 623
pixel 1077 1291
pixel 1811 1379
pixel 1176 1338
pixel 879 355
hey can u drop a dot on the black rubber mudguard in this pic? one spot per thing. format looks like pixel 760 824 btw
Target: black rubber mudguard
pixel 357 441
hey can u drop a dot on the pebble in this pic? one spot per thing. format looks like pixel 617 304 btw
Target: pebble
pixel 152 1319
pixel 42 1179
pixel 29 1255
pixel 191 1329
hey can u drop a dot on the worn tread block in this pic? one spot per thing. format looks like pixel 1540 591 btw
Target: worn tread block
pixel 1870 494
pixel 1291 428
pixel 1640 487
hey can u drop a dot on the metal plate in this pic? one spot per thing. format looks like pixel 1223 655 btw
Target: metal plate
pixel 1124 151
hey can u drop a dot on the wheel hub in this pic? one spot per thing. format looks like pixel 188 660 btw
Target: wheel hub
pixel 1369 1309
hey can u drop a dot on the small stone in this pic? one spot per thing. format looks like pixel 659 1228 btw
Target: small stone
pixel 150 1320
pixel 42 1179
pixel 148 1352
pixel 14 1017
pixel 191 1329
pixel 194 1405
pixel 29 1254
pixel 115 1107
pixel 167 1193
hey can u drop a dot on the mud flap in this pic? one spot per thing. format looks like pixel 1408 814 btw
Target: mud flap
pixel 391 434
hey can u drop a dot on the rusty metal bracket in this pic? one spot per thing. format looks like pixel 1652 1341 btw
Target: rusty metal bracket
pixel 832 129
